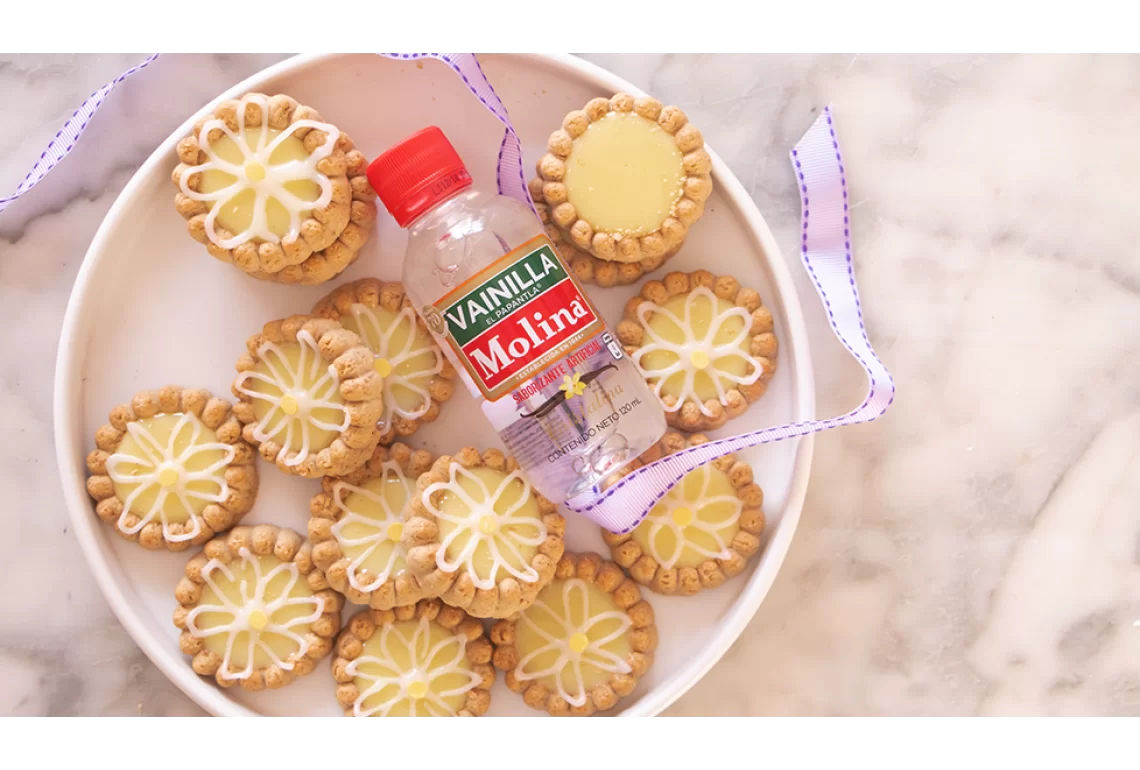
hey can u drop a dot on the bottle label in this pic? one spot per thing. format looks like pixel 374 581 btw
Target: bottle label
pixel 514 318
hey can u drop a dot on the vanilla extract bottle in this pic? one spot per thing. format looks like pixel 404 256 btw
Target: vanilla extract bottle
pixel 515 322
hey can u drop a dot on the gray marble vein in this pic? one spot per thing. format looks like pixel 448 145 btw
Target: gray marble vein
pixel 976 551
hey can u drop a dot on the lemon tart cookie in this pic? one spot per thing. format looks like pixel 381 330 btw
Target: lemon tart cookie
pixel 584 643
pixel 625 178
pixel 253 611
pixel 270 188
pixel 587 267
pixel 417 376
pixel 357 524
pixel 701 533
pixel 426 659
pixel 170 469
pixel 310 396
pixel 705 345
pixel 479 536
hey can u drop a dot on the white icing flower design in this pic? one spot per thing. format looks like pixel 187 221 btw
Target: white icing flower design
pixel 695 354
pixel 254 614
pixel 412 684
pixel 483 524
pixel 256 171
pixel 295 394
pixel 379 530
pixel 389 361
pixel 680 512
pixel 163 470
pixel 574 645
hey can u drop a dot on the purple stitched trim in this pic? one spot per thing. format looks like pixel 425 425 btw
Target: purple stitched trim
pixel 72 129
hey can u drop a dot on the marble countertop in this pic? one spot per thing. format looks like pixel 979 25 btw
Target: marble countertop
pixel 976 551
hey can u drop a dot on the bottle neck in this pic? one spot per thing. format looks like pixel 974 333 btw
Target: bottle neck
pixel 437 211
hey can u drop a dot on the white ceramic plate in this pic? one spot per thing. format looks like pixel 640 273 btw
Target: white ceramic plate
pixel 150 307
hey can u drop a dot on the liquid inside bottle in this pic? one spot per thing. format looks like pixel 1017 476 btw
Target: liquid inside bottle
pixel 515 322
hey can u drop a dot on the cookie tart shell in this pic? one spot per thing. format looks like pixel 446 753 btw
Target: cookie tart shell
pixel 588 268
pixel 422 543
pixel 695 190
pixel 328 240
pixel 389 295
pixel 628 553
pixel 261 540
pixel 327 509
pixel 360 387
pixel 362 626
pixel 690 414
pixel 609 578
pixel 240 474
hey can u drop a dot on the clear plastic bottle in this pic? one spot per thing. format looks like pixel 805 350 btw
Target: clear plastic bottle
pixel 515 322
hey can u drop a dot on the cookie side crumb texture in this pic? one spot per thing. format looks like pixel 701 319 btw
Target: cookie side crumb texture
pixel 426 659
pixel 584 643
pixel 703 532
pixel 170 468
pixel 625 178
pixel 309 396
pixel 418 378
pixel 268 187
pixel 588 268
pixel 705 344
pixel 253 611
pixel 357 524
pixel 479 536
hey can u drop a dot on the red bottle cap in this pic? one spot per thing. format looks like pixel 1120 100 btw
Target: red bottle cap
pixel 418 173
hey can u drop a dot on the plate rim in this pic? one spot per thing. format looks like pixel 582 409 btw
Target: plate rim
pixel 72 468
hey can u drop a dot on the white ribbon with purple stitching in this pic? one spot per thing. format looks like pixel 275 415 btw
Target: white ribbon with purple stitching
pixel 825 249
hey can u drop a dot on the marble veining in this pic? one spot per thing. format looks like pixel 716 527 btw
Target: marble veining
pixel 976 551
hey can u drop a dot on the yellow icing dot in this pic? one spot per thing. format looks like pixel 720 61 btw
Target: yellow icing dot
pixel 682 517
pixel 168 477
pixel 417 690
pixel 289 405
pixel 254 172
pixel 258 620
pixel 488 525
pixel 382 366
pixel 395 531
pixel 699 359
pixel 579 642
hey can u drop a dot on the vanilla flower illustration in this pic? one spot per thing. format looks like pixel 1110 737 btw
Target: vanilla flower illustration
pixel 260 172
pixel 297 396
pixel 683 513
pixel 572 386
pixel 483 524
pixel 253 614
pixel 412 683
pixel 408 368
pixel 180 467
pixel 371 532
pixel 579 641
pixel 699 349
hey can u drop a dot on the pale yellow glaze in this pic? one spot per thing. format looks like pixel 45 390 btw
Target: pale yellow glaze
pixel 518 555
pixel 393 489
pixel 624 174
pixel 270 364
pixel 237 213
pixel 555 618
pixel 281 645
pixel 701 519
pixel 701 318
pixel 160 427
pixel 404 337
pixel 434 675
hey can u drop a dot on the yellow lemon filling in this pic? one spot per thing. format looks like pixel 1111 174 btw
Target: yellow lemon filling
pixel 160 427
pixel 624 174
pixel 292 395
pixel 516 554
pixel 236 214
pixel 685 505
pixel 703 313
pixel 373 515
pixel 416 369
